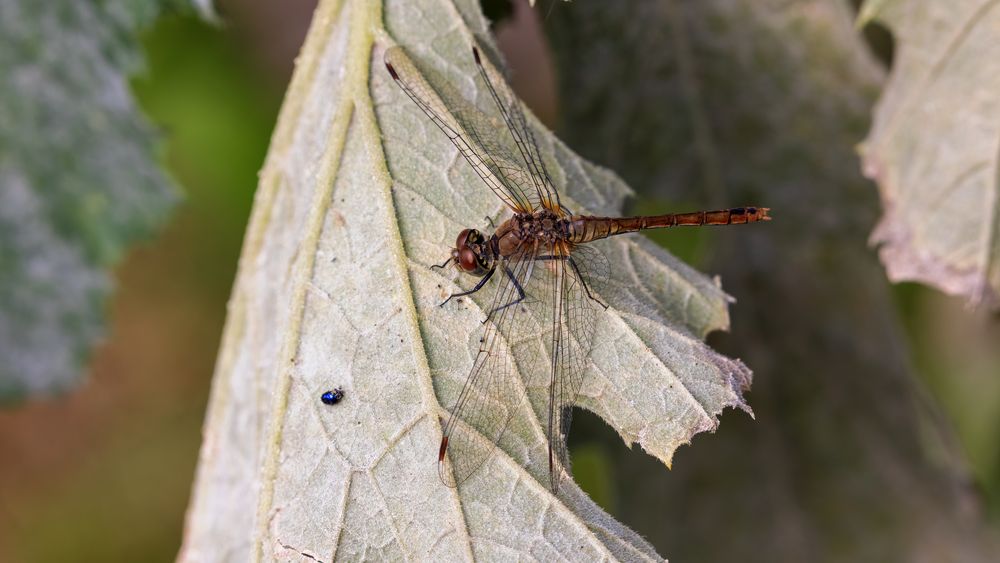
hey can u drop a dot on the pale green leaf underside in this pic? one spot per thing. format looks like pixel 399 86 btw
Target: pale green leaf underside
pixel 79 180
pixel 360 194
pixel 935 146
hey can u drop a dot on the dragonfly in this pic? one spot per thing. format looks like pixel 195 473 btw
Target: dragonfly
pixel 547 274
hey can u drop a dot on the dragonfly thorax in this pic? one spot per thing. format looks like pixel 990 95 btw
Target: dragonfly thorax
pixel 541 229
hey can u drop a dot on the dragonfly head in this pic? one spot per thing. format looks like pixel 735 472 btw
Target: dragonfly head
pixel 471 252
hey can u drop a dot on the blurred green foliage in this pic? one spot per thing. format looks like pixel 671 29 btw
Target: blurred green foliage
pixel 78 181
pixel 218 115
pixel 125 499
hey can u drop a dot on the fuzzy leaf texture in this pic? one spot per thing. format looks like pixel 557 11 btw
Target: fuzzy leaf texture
pixel 934 147
pixel 79 180
pixel 360 194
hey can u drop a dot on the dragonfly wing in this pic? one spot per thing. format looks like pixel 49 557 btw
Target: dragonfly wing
pixel 574 315
pixel 472 131
pixel 494 389
pixel 592 266
pixel 561 306
pixel 542 190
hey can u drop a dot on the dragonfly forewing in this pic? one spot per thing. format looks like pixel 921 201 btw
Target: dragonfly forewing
pixel 539 345
pixel 496 152
pixel 494 389
pixel 512 112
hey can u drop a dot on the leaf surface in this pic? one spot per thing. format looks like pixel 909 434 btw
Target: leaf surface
pixel 360 194
pixel 934 147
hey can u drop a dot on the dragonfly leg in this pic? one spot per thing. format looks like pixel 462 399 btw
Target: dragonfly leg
pixel 443 264
pixel 517 286
pixel 584 283
pixel 579 276
pixel 479 286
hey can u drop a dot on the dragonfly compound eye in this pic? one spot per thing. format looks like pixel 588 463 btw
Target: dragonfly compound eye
pixel 467 259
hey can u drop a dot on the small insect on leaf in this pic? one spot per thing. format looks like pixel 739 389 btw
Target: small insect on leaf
pixel 332 397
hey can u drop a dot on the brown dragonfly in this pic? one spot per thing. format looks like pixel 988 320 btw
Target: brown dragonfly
pixel 548 276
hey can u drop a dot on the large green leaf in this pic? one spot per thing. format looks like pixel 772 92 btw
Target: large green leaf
pixel 359 196
pixel 763 102
pixel 78 180
pixel 934 147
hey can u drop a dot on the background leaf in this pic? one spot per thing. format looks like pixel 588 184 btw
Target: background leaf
pixel 138 418
pixel 334 290
pixel 762 102
pixel 934 146
pixel 78 180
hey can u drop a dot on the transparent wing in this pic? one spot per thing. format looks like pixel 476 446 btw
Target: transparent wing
pixel 512 113
pixel 474 133
pixel 560 307
pixel 572 278
pixel 494 389
pixel 592 265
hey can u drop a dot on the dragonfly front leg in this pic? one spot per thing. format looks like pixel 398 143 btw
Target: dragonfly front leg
pixel 442 265
pixel 517 286
pixel 479 286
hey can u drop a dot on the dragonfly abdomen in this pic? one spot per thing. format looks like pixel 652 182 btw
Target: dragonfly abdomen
pixel 585 228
